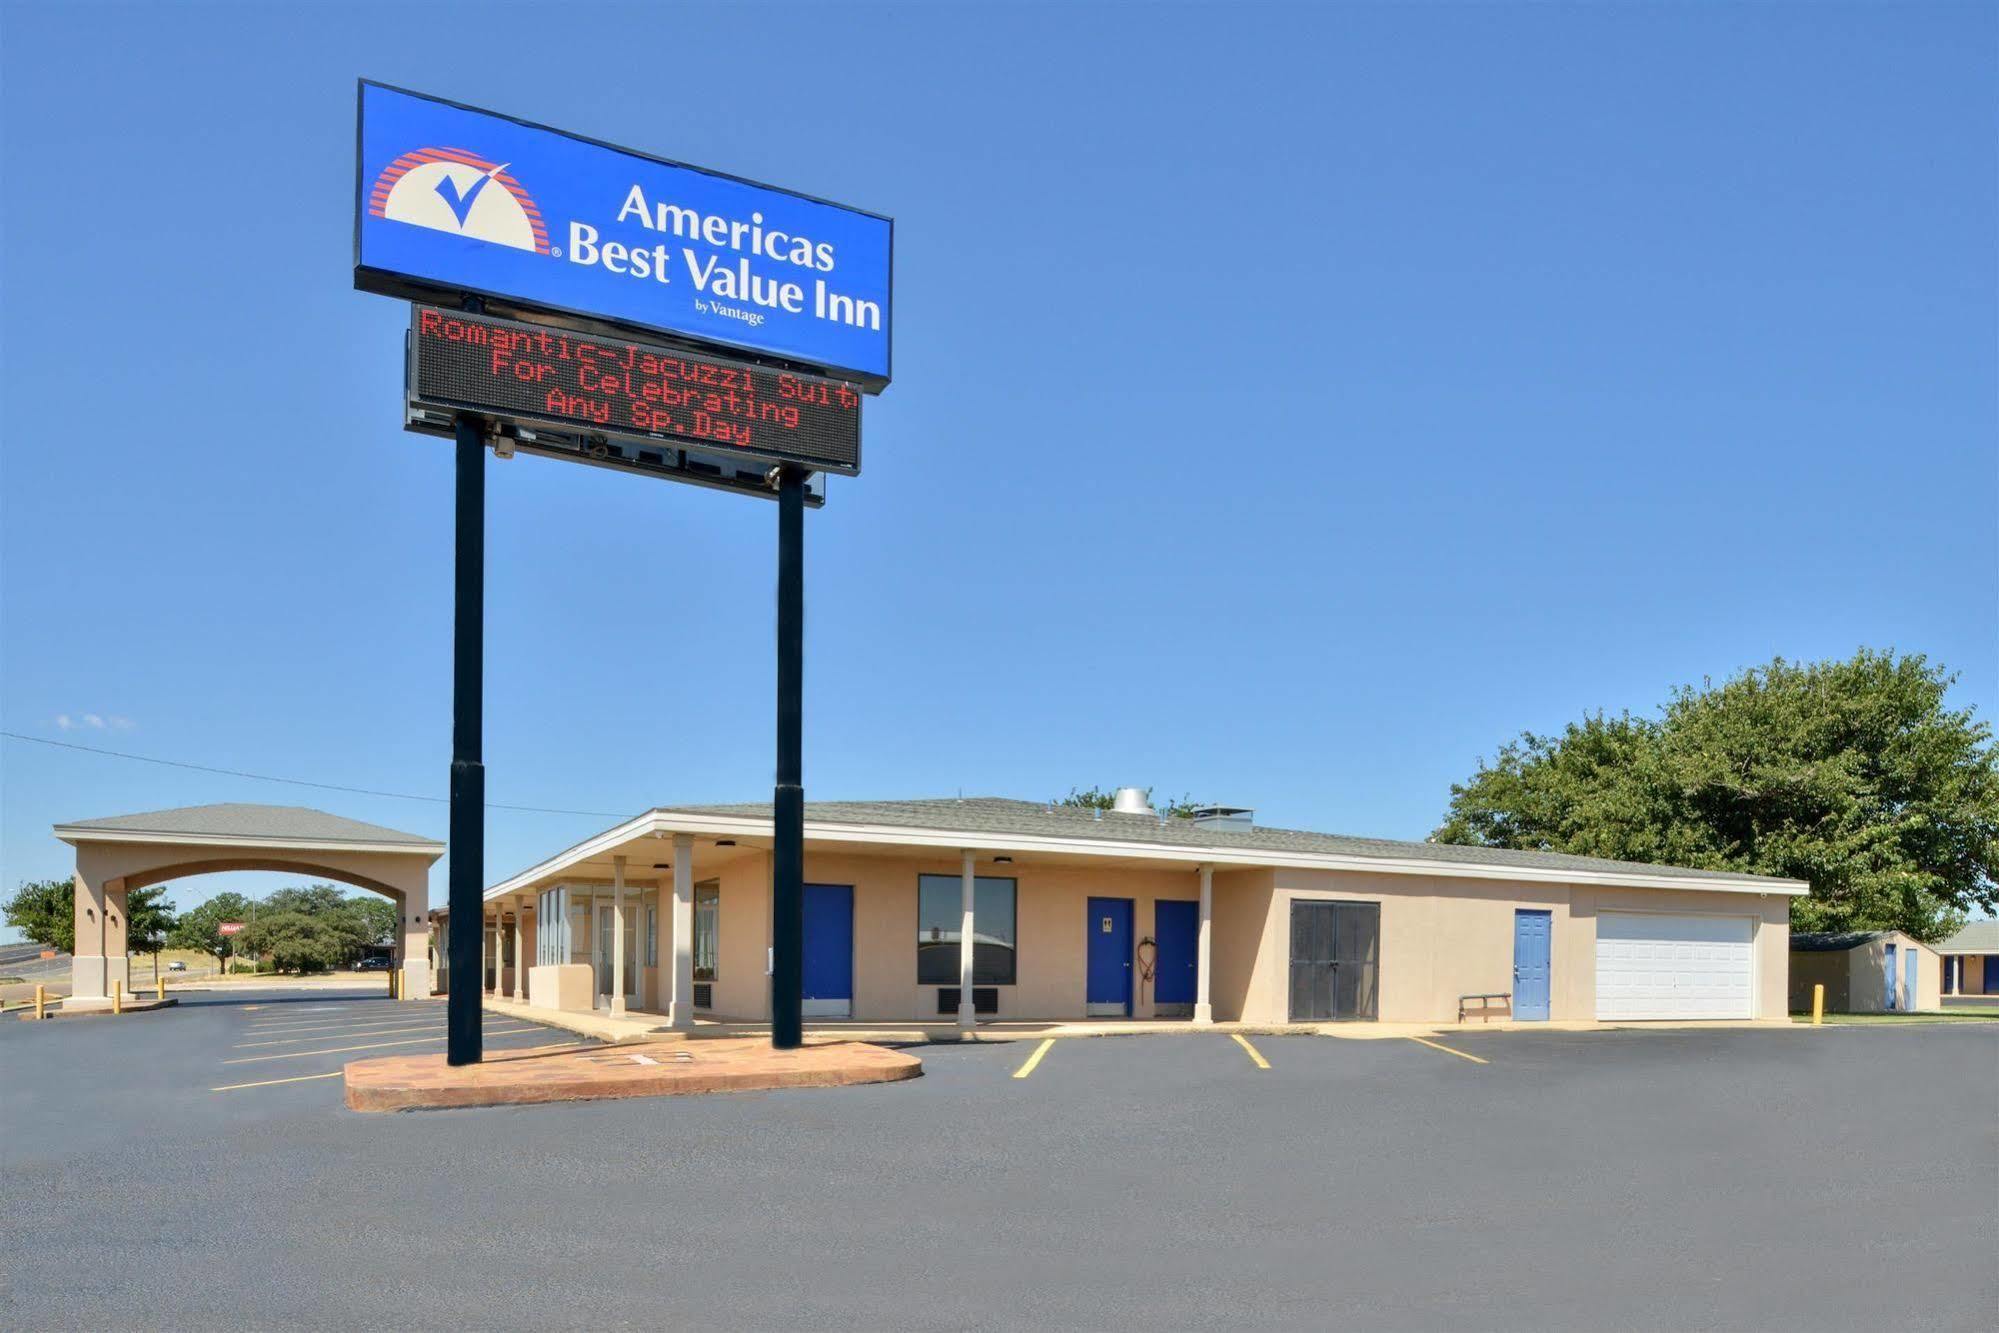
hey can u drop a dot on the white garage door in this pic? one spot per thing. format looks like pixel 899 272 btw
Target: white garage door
pixel 1674 966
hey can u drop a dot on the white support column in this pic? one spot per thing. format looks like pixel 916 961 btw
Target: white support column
pixel 617 935
pixel 487 944
pixel 968 1017
pixel 680 1000
pixel 520 959
pixel 1204 1010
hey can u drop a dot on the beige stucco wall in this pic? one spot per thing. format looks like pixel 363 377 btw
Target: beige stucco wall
pixel 107 871
pixel 1050 910
pixel 1834 971
pixel 1868 983
pixel 1440 936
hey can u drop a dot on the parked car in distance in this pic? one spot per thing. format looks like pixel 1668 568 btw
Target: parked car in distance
pixel 372 965
pixel 177 965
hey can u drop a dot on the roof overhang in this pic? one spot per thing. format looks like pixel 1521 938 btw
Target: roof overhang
pixel 76 835
pixel 665 823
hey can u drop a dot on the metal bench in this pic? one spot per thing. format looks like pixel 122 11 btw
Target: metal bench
pixel 1485 1003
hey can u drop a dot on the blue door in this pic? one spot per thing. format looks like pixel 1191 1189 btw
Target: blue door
pixel 1909 979
pixel 829 950
pixel 1888 971
pixel 1533 938
pixel 1175 927
pixel 1109 924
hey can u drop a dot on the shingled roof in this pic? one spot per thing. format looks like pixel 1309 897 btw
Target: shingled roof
pixel 261 823
pixel 1000 816
pixel 1976 937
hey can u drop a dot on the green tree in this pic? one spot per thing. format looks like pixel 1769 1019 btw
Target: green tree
pixel 310 900
pixel 149 919
pixel 297 941
pixel 1098 798
pixel 200 927
pixel 1851 775
pixel 374 919
pixel 44 910
pixel 355 922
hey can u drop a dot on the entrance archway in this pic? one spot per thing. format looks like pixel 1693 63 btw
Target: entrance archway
pixel 125 852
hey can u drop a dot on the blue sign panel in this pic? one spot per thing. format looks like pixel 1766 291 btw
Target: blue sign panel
pixel 455 200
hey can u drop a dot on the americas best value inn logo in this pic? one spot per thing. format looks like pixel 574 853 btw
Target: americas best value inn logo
pixel 452 190
pixel 449 189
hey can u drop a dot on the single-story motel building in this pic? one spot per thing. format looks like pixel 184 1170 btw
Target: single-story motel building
pixel 1971 960
pixel 979 909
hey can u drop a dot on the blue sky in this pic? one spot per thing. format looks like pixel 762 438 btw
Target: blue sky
pixel 1291 403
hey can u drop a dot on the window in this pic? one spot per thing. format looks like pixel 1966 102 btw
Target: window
pixel 652 935
pixel 551 935
pixel 707 917
pixel 939 915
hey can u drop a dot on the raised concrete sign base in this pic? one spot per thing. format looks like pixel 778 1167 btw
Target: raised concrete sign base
pixel 585 1073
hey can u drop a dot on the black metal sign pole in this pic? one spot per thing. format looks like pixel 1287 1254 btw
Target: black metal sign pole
pixel 463 1044
pixel 787 982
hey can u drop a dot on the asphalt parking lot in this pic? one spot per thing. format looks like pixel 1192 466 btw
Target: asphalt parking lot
pixel 1828 1179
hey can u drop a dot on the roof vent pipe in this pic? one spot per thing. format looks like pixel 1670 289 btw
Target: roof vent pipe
pixel 1131 801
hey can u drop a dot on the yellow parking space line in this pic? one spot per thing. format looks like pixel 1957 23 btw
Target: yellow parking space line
pixel 365 1046
pixel 408 1024
pixel 1254 1054
pixel 1439 1046
pixel 316 1036
pixel 1034 1059
pixel 398 1015
pixel 265 1083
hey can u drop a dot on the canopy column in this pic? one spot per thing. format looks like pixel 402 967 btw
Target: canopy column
pixel 617 936
pixel 968 1017
pixel 1204 1011
pixel 680 999
pixel 413 937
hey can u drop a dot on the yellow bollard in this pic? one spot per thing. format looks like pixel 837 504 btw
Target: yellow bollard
pixel 1818 1004
pixel 117 997
pixel 160 984
pixel 41 1002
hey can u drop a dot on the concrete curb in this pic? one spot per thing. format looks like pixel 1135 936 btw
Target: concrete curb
pixel 595 1073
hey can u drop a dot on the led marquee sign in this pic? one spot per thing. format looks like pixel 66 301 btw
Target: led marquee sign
pixel 599 391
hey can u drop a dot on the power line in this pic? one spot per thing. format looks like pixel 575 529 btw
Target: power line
pixel 294 782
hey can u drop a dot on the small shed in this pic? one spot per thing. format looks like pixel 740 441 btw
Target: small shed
pixel 1864 971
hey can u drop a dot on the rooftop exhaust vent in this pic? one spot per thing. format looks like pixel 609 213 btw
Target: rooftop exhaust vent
pixel 1131 801
pixel 1228 818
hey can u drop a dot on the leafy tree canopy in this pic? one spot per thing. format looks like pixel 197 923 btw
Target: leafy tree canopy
pixel 298 941
pixel 201 927
pixel 44 910
pixel 1099 798
pixel 1851 775
pixel 149 919
pixel 340 927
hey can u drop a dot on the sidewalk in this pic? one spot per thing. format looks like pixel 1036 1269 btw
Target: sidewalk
pixel 636 1026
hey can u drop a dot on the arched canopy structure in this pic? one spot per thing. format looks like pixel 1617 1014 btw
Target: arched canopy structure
pixel 125 852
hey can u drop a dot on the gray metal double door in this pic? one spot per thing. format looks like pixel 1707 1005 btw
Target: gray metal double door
pixel 1335 958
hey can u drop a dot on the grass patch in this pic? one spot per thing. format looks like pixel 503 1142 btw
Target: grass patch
pixel 1894 1019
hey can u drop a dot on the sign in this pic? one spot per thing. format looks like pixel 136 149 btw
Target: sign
pixel 228 927
pixel 599 389
pixel 450 200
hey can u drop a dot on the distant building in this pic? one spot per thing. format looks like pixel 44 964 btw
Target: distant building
pixel 1864 972
pixel 1971 960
